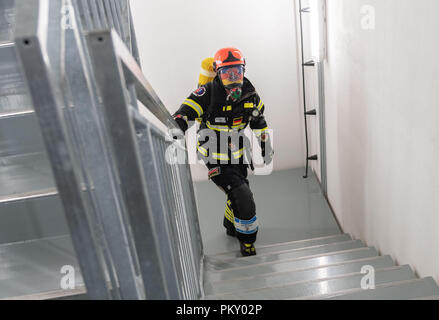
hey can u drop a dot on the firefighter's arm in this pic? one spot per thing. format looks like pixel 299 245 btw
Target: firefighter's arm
pixel 192 108
pixel 260 127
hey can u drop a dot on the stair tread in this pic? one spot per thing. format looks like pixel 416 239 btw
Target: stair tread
pixel 13 90
pixel 25 174
pixel 20 134
pixel 399 290
pixel 284 246
pixel 34 267
pixel 318 287
pixel 427 298
pixel 283 255
pixel 274 279
pixel 291 264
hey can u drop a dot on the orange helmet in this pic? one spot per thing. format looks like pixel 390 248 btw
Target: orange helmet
pixel 228 57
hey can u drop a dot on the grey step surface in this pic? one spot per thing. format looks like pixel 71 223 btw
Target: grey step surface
pixel 427 298
pixel 24 175
pixel 13 91
pixel 290 265
pixel 7 19
pixel 282 247
pixel 403 290
pixel 34 267
pixel 319 287
pixel 32 218
pixel 278 279
pixel 20 133
pixel 284 255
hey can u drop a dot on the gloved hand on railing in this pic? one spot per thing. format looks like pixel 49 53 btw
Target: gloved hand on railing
pixel 181 121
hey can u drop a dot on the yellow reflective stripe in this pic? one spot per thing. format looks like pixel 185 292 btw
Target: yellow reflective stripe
pixel 260 105
pixel 229 216
pixel 191 103
pixel 258 132
pixel 217 128
pixel 220 156
pixel 202 151
pixel 229 211
pixel 238 154
pixel 226 128
pixel 248 105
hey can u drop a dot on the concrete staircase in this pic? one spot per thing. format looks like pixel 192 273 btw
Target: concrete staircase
pixel 322 268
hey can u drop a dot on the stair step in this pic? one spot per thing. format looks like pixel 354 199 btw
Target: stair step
pixel 33 216
pixel 34 267
pixel 291 264
pixel 402 290
pixel 277 279
pixel 7 19
pixel 427 298
pixel 283 246
pixel 314 288
pixel 20 133
pixel 13 90
pixel 284 255
pixel 80 293
pixel 25 174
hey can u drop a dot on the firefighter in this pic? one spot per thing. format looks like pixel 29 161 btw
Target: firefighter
pixel 226 107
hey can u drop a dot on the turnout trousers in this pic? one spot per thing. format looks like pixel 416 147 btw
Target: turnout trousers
pixel 240 213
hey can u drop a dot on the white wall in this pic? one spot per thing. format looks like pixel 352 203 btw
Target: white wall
pixel 382 109
pixel 175 36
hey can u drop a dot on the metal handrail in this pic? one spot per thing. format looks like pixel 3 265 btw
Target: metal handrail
pixel 153 204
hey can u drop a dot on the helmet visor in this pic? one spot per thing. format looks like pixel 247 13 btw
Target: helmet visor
pixel 232 76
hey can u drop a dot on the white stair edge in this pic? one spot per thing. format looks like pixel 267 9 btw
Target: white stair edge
pixel 20 243
pixel 15 114
pixel 427 298
pixel 282 243
pixel 212 260
pixel 51 294
pixel 297 270
pixel 346 292
pixel 347 275
pixel 28 195
pixel 294 259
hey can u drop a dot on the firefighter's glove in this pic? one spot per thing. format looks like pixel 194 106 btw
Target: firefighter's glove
pixel 178 133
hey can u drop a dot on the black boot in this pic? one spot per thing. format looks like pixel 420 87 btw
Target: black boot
pixel 247 249
pixel 231 232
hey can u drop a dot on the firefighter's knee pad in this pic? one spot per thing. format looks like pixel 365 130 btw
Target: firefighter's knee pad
pixel 243 203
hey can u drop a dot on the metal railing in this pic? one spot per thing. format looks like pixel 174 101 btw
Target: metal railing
pixel 132 215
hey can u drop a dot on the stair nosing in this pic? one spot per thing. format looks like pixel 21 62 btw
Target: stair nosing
pixel 286 251
pixel 15 114
pixel 80 290
pixel 284 243
pixel 347 275
pixel 434 297
pixel 349 291
pixel 298 270
pixel 7 44
pixel 33 241
pixel 28 195
pixel 295 259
